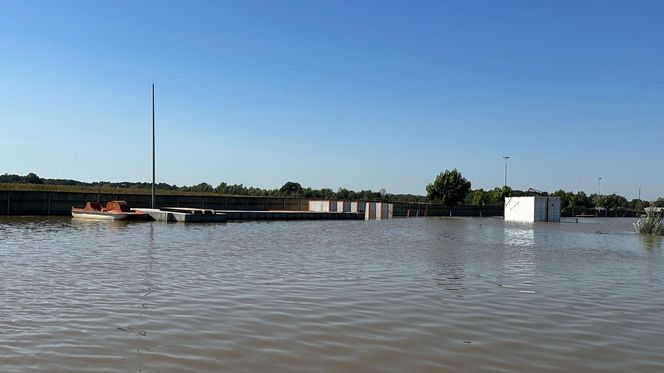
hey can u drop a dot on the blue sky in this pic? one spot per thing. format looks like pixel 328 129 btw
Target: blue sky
pixel 355 94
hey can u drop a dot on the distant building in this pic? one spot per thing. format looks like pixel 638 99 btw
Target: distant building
pixel 532 209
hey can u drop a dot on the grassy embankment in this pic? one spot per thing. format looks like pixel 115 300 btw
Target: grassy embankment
pixel 84 189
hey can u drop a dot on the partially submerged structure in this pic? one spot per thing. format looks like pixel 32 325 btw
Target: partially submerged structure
pixel 114 210
pixel 532 209
pixel 337 206
pixel 370 210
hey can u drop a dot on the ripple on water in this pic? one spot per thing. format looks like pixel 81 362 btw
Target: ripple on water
pixel 403 295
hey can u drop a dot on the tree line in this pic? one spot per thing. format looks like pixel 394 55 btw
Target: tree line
pixel 289 189
pixel 568 199
pixel 449 188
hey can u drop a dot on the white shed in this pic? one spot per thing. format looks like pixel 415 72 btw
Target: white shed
pixel 531 209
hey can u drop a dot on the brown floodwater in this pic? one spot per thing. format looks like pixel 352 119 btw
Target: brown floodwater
pixel 424 294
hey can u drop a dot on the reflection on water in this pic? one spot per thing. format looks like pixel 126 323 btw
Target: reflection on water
pixel 519 234
pixel 427 294
pixel 652 242
pixel 519 244
pixel 100 226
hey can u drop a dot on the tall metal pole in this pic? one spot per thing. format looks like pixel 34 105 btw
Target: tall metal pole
pixel 639 193
pixel 506 158
pixel 599 186
pixel 153 146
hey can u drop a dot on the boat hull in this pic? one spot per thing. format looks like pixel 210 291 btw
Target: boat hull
pixel 99 215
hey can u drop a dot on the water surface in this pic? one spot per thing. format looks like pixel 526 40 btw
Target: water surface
pixel 425 294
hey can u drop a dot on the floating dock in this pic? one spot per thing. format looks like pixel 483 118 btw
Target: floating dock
pixel 243 215
pixel 195 215
pixel 185 215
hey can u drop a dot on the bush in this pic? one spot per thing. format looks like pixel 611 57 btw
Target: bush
pixel 651 223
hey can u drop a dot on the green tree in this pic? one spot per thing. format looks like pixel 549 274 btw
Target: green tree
pixel 582 200
pixel 450 187
pixel 221 188
pixel 597 200
pixel 570 200
pixel 32 178
pixel 567 200
pixel 343 193
pixel 637 204
pixel 494 196
pixel 498 194
pixel 291 188
pixel 560 194
pixel 505 192
pixel 659 202
pixel 365 195
pixel 202 187
pixel 613 201
pixel 480 197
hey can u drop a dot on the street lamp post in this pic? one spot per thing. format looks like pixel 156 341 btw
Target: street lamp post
pixel 599 194
pixel 152 204
pixel 506 158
